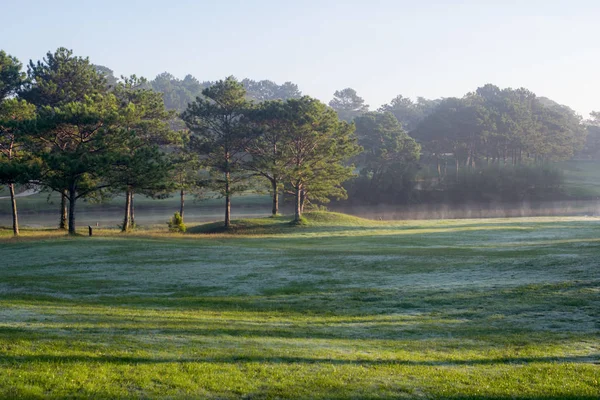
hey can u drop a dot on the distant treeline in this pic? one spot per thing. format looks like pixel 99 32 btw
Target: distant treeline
pixel 73 127
pixel 492 144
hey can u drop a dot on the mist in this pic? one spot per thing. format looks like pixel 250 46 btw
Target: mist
pixel 589 208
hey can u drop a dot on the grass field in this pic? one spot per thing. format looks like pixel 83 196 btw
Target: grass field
pixel 342 308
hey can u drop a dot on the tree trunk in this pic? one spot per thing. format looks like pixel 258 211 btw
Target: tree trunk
pixel 456 158
pixel 63 210
pixel 275 209
pixel 127 218
pixel 520 156
pixel 302 200
pixel 182 196
pixel 227 211
pixel 13 202
pixel 227 202
pixel 298 211
pixel 132 211
pixel 72 201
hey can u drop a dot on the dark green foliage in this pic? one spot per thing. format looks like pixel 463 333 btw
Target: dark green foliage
pixel 73 135
pixel 11 77
pixel 140 166
pixel 318 146
pixel 494 125
pixel 268 155
pixel 77 144
pixel 388 162
pixel 74 140
pixel 62 78
pixel 220 135
pixel 176 223
pixel 16 164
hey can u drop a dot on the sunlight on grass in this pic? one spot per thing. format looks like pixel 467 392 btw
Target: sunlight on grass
pixel 340 308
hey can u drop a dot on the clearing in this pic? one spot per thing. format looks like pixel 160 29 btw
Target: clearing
pixel 342 308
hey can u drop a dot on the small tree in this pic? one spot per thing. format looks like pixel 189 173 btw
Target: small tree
pixel 220 136
pixel 143 168
pixel 176 223
pixel 187 174
pixel 318 145
pixel 268 155
pixel 144 122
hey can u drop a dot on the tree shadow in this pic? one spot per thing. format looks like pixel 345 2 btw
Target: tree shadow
pixel 593 359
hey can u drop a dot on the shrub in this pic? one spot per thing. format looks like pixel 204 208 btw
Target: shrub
pixel 176 223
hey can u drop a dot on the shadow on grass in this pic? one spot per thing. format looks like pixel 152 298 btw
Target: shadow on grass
pixel 269 225
pixel 335 222
pixel 241 359
pixel 306 301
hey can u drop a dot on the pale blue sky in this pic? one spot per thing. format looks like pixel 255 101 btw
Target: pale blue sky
pixel 381 48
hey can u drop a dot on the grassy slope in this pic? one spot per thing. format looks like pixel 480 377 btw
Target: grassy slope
pixel 340 308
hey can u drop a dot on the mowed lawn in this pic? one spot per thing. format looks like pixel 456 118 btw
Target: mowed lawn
pixel 339 309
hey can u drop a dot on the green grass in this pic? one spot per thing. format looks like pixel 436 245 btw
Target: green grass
pixel 339 308
pixel 316 220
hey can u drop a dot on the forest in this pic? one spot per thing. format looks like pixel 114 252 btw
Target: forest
pixel 72 127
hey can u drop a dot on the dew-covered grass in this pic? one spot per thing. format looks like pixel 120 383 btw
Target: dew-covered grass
pixel 341 308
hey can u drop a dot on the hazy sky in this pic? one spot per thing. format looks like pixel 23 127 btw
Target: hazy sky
pixel 381 48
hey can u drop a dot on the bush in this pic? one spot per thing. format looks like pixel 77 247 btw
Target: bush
pixel 176 223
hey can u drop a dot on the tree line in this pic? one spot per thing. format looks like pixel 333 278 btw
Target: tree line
pixel 65 125
pixel 72 127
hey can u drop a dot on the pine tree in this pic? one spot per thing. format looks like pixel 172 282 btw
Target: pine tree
pixel 220 134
